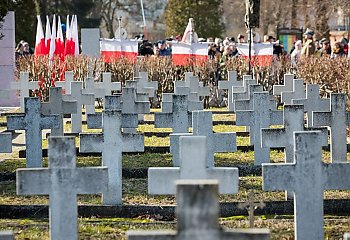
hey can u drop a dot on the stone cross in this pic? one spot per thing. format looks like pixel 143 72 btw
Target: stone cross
pixel 6 235
pixel 179 119
pixel 59 107
pixel 313 102
pixel 202 124
pixel 287 86
pixel 193 165
pixel 23 86
pixel 111 143
pixel 251 206
pixel 238 95
pixel 197 214
pixel 81 99
pixel 232 81
pixel 66 84
pixel 167 102
pixel 258 118
pixel 337 120
pixel 145 86
pixel 307 176
pixel 62 181
pixel 108 85
pixel 247 104
pixel 131 103
pixel 297 93
pixel 32 122
pixel 6 142
pixel 247 80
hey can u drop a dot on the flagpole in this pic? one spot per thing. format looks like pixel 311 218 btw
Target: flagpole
pixel 250 51
pixel 144 19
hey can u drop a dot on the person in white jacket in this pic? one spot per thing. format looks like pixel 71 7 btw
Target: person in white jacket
pixel 295 56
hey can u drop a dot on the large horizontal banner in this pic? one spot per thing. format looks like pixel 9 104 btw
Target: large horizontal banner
pixel 189 53
pixel 262 53
pixel 112 49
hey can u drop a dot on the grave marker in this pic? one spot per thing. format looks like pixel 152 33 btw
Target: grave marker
pixel 307 176
pixel 179 119
pixel 32 122
pixel 81 99
pixel 337 120
pixel 62 181
pixel 247 104
pixel 66 84
pixel 23 86
pixel 145 86
pixel 193 165
pixel 6 235
pixel 59 107
pixel 287 85
pixel 258 118
pixel 251 206
pixel 313 102
pixel 197 215
pixel 90 42
pixel 6 142
pixel 298 92
pixel 203 126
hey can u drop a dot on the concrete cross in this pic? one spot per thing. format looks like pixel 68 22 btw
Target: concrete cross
pixel 313 102
pixel 81 99
pixel 293 120
pixel 247 104
pixel 66 84
pixel 23 86
pixel 6 235
pixel 251 206
pixel 131 103
pixel 287 85
pixel 32 122
pixel 298 92
pixel 62 181
pixel 193 165
pixel 5 142
pixel 232 81
pixel 111 143
pixel 59 107
pixel 247 80
pixel 145 86
pixel 197 214
pixel 337 120
pixel 202 124
pixel 307 176
pixel 258 118
pixel 179 119
pixel 167 102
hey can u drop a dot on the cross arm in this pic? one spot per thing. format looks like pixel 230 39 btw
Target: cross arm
pixel 225 142
pixel 337 176
pixel 94 121
pixel 225 85
pixel 321 119
pixel 133 142
pixel 163 120
pixel 69 106
pixel 242 104
pixel 16 122
pixel 33 181
pixel 96 177
pixel 273 137
pixel 276 117
pixel 277 177
pixel 168 176
pixel 91 143
pixel 244 118
pixel 49 122
pixel 5 142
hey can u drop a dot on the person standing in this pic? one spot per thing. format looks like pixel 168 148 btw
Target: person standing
pixel 309 45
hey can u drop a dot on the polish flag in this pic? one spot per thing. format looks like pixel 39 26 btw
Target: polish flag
pixel 75 37
pixel 47 35
pixel 184 54
pixel 68 43
pixel 190 36
pixel 59 51
pixel 262 53
pixel 53 38
pixel 39 39
pixel 112 49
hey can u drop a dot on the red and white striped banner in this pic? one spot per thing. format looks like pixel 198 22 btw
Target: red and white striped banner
pixel 184 54
pixel 262 53
pixel 112 49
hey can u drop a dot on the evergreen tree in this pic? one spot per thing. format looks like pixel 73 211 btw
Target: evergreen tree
pixel 207 15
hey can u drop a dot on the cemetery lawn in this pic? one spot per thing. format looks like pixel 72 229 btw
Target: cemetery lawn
pixel 281 227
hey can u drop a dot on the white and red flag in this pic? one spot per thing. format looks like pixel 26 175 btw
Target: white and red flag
pixel 262 53
pixel 184 54
pixel 112 49
pixel 53 38
pixel 68 43
pixel 47 35
pixel 190 36
pixel 59 50
pixel 40 48
pixel 75 37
